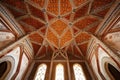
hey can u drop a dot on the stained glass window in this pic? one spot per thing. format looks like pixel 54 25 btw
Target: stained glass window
pixel 40 75
pixel 59 72
pixel 78 72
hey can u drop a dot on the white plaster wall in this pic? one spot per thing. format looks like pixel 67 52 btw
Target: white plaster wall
pixel 23 67
pixel 101 55
pixel 15 54
pixel 113 40
pixel 4 36
pixel 95 67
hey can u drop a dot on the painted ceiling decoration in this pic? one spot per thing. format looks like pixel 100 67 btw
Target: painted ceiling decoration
pixel 59 24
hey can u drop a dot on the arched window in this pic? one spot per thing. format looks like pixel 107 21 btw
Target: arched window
pixel 78 72
pixel 59 72
pixel 114 72
pixel 3 68
pixel 40 75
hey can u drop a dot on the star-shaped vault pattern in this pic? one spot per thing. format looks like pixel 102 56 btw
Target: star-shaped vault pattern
pixel 59 24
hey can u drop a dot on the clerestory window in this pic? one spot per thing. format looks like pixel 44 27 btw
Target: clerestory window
pixel 59 72
pixel 78 72
pixel 40 75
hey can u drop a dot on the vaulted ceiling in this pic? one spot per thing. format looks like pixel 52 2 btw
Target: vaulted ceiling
pixel 54 25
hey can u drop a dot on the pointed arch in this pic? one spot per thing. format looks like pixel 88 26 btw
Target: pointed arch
pixel 78 72
pixel 113 70
pixel 40 74
pixel 59 74
pixel 4 69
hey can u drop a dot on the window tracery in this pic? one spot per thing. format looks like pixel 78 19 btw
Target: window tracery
pixel 40 75
pixel 78 72
pixel 59 72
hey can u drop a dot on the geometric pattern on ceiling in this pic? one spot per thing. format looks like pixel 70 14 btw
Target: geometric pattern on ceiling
pixel 61 24
pixel 59 33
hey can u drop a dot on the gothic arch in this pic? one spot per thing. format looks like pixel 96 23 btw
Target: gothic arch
pixel 5 65
pixel 10 66
pixel 78 72
pixel 114 73
pixel 59 72
pixel 105 62
pixel 41 72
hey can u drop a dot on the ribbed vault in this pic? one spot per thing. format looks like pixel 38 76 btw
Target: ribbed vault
pixel 54 25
